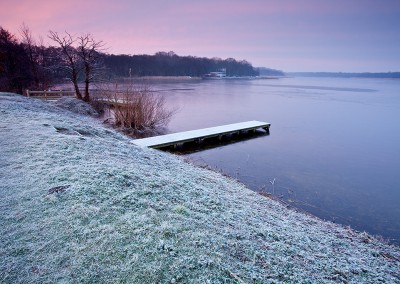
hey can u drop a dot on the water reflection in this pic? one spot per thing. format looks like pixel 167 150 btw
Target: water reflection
pixel 214 142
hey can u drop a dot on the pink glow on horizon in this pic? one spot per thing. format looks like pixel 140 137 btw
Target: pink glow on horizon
pixel 364 34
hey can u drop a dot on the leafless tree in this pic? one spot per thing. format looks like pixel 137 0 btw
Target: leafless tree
pixel 36 52
pixel 71 57
pixel 30 48
pixel 88 51
pixel 81 54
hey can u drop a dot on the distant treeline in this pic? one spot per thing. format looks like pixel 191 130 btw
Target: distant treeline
pixel 346 75
pixel 27 64
pixel 170 64
pixel 263 71
pixel 16 69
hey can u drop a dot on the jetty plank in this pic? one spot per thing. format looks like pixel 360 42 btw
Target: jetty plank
pixel 197 135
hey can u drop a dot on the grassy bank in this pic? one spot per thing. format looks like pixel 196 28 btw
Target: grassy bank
pixel 81 203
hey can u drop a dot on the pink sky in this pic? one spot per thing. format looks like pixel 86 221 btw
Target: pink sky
pixel 303 35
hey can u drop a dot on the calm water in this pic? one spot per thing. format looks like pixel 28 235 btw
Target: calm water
pixel 333 150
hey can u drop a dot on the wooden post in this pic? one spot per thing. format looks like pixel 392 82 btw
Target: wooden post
pixel 27 93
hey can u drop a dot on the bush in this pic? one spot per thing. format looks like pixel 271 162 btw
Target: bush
pixel 137 108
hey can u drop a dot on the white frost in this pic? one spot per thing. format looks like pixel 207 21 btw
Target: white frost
pixel 81 203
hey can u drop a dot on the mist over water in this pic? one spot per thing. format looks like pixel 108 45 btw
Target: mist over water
pixel 333 148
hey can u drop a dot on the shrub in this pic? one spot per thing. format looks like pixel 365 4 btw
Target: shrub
pixel 137 108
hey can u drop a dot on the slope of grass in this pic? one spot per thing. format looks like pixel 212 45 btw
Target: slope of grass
pixel 81 203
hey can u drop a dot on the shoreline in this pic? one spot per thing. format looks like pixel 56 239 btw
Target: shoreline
pixel 80 202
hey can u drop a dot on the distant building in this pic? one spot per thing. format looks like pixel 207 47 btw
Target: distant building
pixel 216 74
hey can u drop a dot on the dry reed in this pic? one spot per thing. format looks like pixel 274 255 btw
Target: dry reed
pixel 137 108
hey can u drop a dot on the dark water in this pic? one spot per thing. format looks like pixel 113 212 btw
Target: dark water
pixel 333 149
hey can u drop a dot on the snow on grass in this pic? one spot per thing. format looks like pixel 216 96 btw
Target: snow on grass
pixel 81 203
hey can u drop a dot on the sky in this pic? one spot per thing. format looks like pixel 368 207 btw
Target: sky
pixel 289 35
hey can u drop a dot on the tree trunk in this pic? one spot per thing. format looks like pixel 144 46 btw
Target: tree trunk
pixel 86 97
pixel 76 87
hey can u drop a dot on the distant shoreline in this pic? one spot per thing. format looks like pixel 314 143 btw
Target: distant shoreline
pixel 189 78
pixel 377 75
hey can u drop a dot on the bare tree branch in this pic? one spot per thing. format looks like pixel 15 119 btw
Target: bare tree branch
pixel 81 54
pixel 89 50
pixel 30 46
pixel 70 54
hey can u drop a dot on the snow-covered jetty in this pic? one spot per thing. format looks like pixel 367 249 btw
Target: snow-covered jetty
pixel 201 134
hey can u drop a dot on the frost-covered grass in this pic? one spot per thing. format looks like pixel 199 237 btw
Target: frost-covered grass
pixel 81 203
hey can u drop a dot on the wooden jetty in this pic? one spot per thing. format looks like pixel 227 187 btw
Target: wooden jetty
pixel 201 134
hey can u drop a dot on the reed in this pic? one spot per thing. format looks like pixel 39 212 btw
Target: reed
pixel 137 108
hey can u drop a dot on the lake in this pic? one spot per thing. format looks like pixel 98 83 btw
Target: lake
pixel 333 148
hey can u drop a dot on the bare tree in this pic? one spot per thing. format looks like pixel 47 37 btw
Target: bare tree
pixel 71 57
pixel 81 55
pixel 30 48
pixel 14 64
pixel 44 64
pixel 36 52
pixel 88 51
